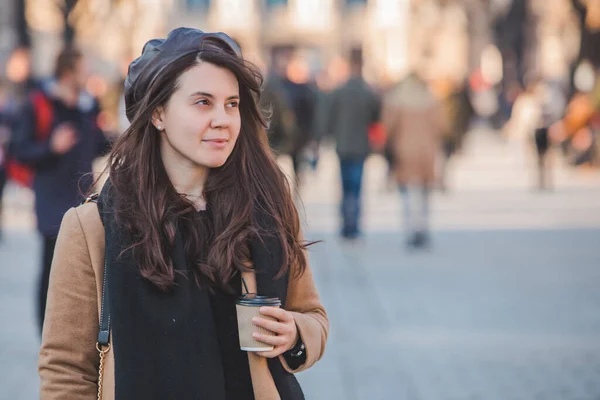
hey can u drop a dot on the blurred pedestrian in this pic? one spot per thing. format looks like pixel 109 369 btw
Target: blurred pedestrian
pixel 520 128
pixel 301 96
pixel 458 111
pixel 325 87
pixel 581 125
pixel 7 114
pixel 534 114
pixel 415 122
pixel 58 137
pixel 274 101
pixel 353 108
pixel 195 202
pixel 553 102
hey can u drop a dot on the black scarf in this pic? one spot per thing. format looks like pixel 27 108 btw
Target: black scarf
pixel 161 353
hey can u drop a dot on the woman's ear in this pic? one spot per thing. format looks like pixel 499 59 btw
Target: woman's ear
pixel 158 117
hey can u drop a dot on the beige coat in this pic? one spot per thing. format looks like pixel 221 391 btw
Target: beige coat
pixel 68 362
pixel 414 122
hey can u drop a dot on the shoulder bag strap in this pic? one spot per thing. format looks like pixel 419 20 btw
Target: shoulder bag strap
pixel 103 343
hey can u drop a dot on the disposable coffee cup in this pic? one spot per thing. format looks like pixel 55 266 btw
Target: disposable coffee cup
pixel 248 307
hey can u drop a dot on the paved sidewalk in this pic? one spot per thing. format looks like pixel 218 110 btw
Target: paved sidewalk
pixel 486 315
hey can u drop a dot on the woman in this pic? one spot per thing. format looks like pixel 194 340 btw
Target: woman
pixel 194 203
pixel 414 122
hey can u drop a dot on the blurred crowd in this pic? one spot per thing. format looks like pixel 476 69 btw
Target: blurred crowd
pixel 535 80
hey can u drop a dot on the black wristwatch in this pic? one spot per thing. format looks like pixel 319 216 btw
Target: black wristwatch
pixel 298 349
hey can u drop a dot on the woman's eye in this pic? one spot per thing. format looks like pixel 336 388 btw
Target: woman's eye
pixel 202 102
pixel 234 104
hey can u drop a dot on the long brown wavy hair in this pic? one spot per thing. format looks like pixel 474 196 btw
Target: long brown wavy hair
pixel 248 187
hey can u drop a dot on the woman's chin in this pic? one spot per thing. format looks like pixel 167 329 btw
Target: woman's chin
pixel 214 162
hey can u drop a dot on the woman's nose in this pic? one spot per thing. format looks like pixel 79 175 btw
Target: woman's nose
pixel 220 119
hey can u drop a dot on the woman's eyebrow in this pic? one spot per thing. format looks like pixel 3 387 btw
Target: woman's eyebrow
pixel 205 94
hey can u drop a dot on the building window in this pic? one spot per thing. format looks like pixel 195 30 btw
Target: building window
pixel 197 5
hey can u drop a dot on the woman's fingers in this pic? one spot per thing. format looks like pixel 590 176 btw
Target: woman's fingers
pixel 273 326
pixel 272 340
pixel 284 327
pixel 278 313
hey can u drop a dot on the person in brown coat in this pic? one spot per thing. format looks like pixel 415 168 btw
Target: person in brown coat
pixel 414 122
pixel 144 281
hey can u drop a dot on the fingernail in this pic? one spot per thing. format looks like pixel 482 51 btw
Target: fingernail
pixel 254 319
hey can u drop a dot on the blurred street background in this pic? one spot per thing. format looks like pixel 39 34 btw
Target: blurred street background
pixel 486 286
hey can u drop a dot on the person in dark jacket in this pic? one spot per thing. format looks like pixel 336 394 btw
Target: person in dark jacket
pixel 61 158
pixel 7 109
pixel 353 108
pixel 275 103
pixel 301 95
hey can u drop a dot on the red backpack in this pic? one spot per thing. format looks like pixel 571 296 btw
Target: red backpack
pixel 23 173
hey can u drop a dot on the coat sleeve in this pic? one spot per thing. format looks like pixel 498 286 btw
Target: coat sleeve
pixel 310 316
pixel 68 359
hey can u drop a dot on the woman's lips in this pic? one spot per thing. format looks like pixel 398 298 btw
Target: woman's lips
pixel 218 143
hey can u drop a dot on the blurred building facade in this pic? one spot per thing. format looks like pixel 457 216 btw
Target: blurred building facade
pixel 389 32
pixel 321 30
pixel 113 31
pixel 447 37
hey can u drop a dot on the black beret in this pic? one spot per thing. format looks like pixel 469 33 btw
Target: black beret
pixel 157 53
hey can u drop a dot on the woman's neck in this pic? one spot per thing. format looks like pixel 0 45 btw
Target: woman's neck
pixel 187 178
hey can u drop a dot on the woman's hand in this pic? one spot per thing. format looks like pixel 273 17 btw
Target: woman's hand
pixel 285 328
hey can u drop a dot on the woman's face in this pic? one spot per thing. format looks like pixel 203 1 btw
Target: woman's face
pixel 201 121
